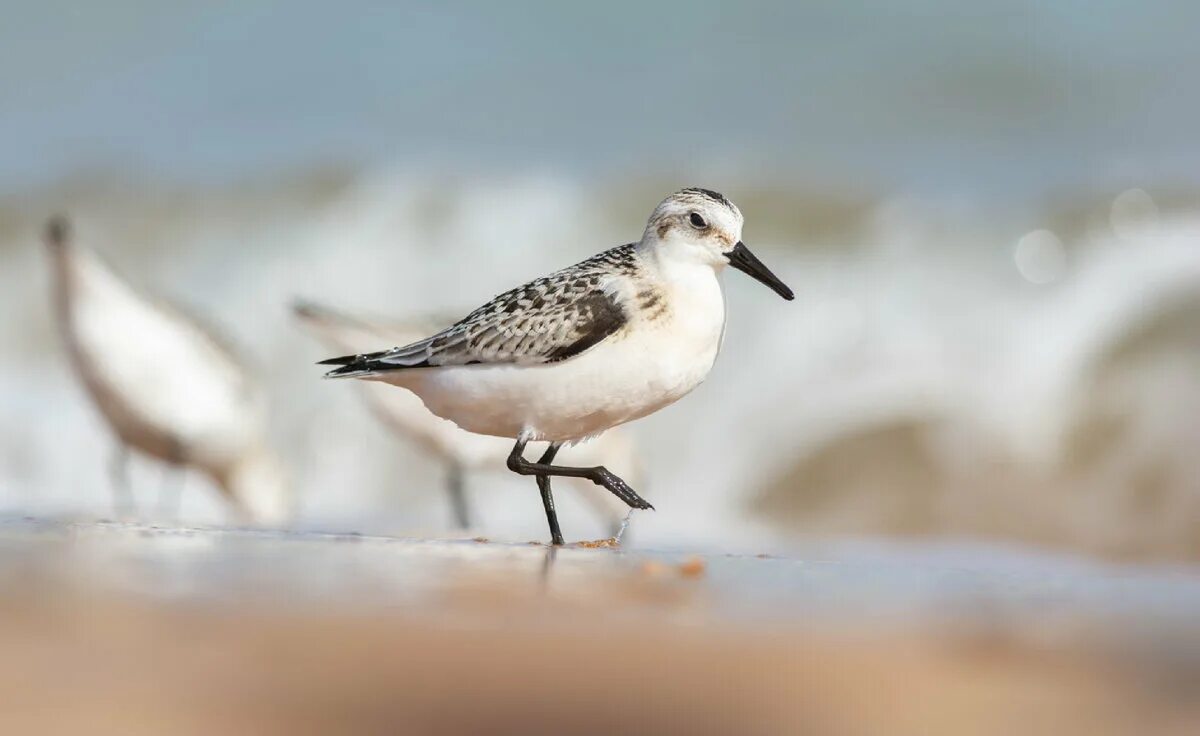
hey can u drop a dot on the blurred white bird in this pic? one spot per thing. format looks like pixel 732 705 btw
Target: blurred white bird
pixel 166 385
pixel 460 451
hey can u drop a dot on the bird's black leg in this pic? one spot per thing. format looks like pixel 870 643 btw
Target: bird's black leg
pixel 543 484
pixel 456 488
pixel 119 472
pixel 599 475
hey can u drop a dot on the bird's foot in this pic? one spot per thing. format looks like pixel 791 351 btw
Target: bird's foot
pixel 621 489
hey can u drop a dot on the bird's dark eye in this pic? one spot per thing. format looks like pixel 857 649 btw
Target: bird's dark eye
pixel 697 221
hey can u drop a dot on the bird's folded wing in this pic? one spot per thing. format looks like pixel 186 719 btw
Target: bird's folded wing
pixel 544 321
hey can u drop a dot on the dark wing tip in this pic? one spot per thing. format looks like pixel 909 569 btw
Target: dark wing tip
pixel 603 317
pixel 343 360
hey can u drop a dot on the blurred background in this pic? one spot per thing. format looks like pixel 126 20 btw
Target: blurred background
pixel 990 215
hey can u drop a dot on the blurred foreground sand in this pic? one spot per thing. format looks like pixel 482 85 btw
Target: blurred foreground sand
pixel 481 637
pixel 88 664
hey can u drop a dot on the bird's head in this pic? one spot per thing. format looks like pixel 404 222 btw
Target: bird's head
pixel 700 225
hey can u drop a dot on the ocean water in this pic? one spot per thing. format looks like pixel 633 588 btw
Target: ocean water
pixel 999 98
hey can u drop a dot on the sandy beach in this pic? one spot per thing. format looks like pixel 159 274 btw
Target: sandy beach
pixel 145 629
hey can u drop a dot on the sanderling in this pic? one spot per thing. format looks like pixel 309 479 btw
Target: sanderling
pixel 167 386
pixel 570 355
pixel 459 451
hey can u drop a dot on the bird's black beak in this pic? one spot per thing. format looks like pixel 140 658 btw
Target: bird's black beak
pixel 743 260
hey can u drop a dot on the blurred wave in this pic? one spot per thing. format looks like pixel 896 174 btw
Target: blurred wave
pixel 942 371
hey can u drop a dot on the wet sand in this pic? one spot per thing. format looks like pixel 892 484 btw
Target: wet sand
pixel 124 628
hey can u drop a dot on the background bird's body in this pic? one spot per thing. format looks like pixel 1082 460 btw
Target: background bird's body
pixel 165 385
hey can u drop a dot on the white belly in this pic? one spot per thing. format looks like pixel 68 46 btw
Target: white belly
pixel 646 366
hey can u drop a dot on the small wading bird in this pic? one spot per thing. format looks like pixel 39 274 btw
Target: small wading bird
pixel 167 386
pixel 460 451
pixel 570 355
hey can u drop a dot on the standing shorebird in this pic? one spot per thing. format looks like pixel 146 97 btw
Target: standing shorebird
pixel 570 355
pixel 166 386
pixel 460 451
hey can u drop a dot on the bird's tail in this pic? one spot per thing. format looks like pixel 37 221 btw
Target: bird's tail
pixel 354 366
pixel 333 324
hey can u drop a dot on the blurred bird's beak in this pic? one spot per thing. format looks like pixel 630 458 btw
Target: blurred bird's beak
pixel 57 232
pixel 743 260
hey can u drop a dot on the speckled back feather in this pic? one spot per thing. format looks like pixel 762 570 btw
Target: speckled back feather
pixel 547 320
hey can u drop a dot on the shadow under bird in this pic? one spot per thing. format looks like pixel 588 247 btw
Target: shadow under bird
pixel 168 387
pixel 567 356
pixel 461 452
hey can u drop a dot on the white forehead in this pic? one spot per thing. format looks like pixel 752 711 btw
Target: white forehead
pixel 713 206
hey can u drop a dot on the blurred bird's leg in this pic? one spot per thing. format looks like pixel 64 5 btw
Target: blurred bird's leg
pixel 456 483
pixel 118 469
pixel 171 491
